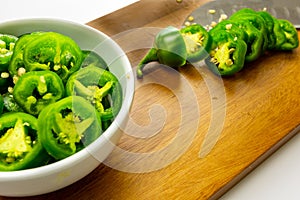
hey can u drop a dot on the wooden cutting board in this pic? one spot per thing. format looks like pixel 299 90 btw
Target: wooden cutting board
pixel 253 113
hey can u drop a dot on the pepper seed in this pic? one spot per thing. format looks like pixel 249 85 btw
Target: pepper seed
pixel 231 50
pixel 11 46
pixel 213 24
pixel 21 71
pixel 10 90
pixel 32 99
pixel 223 17
pixel 229 62
pixel 56 67
pixel 228 26
pixel 47 96
pixel 15 79
pixel 191 18
pixel 2 44
pixel 4 75
pixel 187 23
pixel 42 79
pixel 211 11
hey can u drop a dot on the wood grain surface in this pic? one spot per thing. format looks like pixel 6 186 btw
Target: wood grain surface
pixel 256 109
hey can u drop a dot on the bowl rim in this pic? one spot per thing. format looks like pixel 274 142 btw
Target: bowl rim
pixel 88 151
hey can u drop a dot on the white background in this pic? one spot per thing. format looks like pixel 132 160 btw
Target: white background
pixel 81 11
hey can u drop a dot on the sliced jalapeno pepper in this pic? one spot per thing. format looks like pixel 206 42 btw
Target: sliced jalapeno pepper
pixel 37 89
pixel 7 44
pixel 256 20
pixel 68 125
pixel 96 85
pixel 91 58
pixel 255 40
pixel 227 55
pixel 20 145
pixel 17 59
pixel 291 35
pixel 47 51
pixel 197 41
pixel 269 20
pixel 6 81
pixel 231 27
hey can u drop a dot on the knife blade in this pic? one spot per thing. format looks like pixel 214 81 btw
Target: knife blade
pixel 211 11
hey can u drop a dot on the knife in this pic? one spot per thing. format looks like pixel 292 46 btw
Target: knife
pixel 280 9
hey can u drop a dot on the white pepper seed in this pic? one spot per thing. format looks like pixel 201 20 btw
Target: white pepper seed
pixel 187 23
pixel 191 18
pixel 10 89
pixel 223 17
pixel 213 24
pixel 21 71
pixel 228 26
pixel 15 79
pixel 211 11
pixel 4 75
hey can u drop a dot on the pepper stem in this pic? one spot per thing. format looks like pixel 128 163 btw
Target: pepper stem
pixel 150 57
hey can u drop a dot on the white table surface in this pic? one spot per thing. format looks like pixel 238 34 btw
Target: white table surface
pixel 277 178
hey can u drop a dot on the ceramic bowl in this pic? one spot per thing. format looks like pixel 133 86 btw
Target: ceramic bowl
pixel 62 173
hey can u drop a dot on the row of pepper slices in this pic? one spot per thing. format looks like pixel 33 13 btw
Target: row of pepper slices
pixel 231 43
pixel 55 99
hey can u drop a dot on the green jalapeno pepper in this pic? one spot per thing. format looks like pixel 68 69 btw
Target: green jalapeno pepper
pixel 231 27
pixel 96 85
pixel 169 49
pixel 6 81
pixel 197 41
pixel 227 55
pixel 255 40
pixel 256 20
pixel 46 51
pixel 36 89
pixel 174 48
pixel 7 44
pixel 291 35
pixel 68 125
pixel 279 35
pixel 91 58
pixel 20 144
pixel 269 20
pixel 17 59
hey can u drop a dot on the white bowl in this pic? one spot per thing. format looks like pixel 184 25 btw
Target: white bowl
pixel 60 174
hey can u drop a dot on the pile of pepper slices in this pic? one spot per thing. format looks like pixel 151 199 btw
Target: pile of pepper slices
pixel 231 43
pixel 55 99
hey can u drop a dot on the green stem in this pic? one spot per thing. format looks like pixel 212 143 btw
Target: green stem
pixel 150 57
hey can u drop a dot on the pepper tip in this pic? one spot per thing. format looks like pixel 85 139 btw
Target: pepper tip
pixel 139 74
